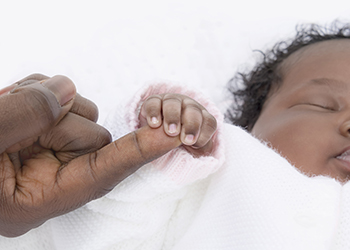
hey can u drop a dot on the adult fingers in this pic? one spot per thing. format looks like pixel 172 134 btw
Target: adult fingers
pixel 30 110
pixel 85 108
pixel 74 136
pixel 66 187
pixel 93 175
pixel 81 106
pixel 25 81
pixel 32 78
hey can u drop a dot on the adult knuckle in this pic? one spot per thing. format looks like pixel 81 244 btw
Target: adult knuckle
pixel 37 76
pixel 32 78
pixel 85 108
pixel 137 145
pixel 39 107
pixel 63 78
pixel 30 109
pixel 103 137
pixel 95 137
pixel 92 166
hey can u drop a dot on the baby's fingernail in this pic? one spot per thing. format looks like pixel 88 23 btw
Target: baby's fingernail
pixel 172 128
pixel 189 139
pixel 154 120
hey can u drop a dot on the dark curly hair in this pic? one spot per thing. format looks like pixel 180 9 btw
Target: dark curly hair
pixel 250 90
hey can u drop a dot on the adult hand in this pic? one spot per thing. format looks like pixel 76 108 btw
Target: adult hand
pixel 49 164
pixel 32 108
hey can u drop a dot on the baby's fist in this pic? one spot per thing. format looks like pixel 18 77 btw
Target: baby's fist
pixel 180 115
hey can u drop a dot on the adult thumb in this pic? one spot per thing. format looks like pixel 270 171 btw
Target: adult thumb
pixel 29 110
pixel 93 175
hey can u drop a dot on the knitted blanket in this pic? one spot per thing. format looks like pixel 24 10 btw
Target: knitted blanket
pixel 243 196
pixel 257 200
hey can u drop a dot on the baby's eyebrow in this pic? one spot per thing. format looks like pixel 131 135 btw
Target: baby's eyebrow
pixel 334 85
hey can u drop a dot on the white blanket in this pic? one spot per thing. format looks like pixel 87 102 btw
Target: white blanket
pixel 243 196
pixel 257 200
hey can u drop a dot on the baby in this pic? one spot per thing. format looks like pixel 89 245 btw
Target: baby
pixel 226 189
pixel 297 100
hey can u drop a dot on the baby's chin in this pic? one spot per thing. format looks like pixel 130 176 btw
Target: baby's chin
pixel 335 168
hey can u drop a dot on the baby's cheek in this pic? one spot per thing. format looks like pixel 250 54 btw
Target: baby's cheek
pixel 287 137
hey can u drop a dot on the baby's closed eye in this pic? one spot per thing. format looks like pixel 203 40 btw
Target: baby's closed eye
pixel 322 106
pixel 319 103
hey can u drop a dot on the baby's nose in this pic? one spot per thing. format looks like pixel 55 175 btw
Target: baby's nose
pixel 345 128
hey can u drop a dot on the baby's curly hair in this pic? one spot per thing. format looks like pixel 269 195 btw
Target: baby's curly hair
pixel 250 90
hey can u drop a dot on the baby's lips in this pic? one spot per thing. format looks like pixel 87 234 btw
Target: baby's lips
pixel 344 155
pixel 7 89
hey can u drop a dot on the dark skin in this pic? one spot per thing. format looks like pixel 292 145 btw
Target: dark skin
pixel 181 116
pixel 55 158
pixel 307 119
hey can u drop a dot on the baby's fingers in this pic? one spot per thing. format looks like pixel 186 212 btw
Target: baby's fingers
pixel 172 106
pixel 192 120
pixel 208 129
pixel 151 112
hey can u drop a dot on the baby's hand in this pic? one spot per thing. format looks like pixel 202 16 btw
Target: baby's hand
pixel 180 115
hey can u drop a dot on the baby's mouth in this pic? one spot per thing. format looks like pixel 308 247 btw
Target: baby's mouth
pixel 344 166
pixel 345 156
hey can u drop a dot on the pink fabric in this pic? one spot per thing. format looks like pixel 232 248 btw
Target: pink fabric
pixel 180 166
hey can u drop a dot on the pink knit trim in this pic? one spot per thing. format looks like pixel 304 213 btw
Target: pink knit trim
pixel 179 165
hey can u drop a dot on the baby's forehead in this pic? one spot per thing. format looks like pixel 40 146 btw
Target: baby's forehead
pixel 322 47
pixel 322 64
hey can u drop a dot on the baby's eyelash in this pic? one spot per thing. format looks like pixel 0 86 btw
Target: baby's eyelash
pixel 321 106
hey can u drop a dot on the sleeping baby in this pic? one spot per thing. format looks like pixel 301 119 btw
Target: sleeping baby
pixel 275 179
pixel 297 100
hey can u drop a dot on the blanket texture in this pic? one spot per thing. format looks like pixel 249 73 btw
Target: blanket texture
pixel 243 196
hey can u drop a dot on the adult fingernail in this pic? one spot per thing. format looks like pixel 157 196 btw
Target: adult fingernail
pixel 62 87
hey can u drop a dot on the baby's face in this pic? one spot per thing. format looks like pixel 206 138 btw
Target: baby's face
pixel 307 119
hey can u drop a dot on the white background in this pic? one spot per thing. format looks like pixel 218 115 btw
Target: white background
pixel 110 49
